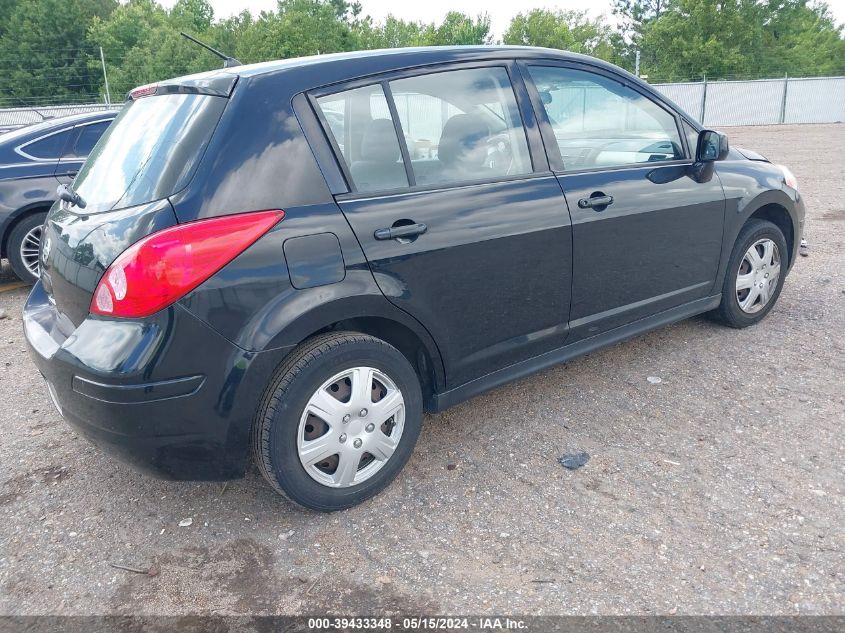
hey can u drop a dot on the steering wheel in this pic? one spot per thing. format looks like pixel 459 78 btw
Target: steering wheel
pixel 500 153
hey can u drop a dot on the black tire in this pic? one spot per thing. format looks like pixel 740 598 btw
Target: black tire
pixel 729 312
pixel 16 237
pixel 297 379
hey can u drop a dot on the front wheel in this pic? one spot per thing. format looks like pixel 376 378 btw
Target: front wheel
pixel 339 421
pixel 755 275
pixel 24 246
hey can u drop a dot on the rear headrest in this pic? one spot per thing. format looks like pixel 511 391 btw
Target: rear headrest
pixel 461 133
pixel 379 142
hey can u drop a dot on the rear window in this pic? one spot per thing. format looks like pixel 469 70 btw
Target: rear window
pixel 150 151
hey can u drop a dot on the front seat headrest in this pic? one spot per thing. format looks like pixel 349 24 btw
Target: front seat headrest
pixel 461 135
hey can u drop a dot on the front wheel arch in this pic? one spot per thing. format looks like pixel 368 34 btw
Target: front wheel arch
pixel 779 216
pixel 729 311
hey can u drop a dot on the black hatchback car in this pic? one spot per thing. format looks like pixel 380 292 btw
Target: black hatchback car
pixel 296 259
pixel 33 161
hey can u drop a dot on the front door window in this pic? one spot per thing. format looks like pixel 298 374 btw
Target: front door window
pixel 598 122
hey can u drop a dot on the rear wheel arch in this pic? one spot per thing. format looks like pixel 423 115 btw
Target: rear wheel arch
pixel 369 313
pixel 281 422
pixel 425 361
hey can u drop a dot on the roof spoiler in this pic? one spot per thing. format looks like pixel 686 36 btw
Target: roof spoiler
pixel 217 85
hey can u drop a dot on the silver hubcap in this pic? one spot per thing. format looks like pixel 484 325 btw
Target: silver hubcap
pixel 351 427
pixel 30 249
pixel 758 276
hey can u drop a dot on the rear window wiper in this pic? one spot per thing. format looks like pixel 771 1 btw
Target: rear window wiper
pixel 69 195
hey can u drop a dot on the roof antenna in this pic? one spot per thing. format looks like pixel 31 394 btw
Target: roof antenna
pixel 228 62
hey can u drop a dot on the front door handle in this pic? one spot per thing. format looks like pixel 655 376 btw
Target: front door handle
pixel 597 201
pixel 403 230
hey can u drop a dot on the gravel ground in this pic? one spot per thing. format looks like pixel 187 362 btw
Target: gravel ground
pixel 717 490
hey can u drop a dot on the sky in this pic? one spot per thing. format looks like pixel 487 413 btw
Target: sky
pixel 433 10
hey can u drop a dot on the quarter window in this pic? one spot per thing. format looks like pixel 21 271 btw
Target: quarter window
pixel 360 122
pixel 598 122
pixel 49 147
pixel 461 125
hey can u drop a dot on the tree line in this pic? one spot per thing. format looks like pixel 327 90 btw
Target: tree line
pixel 50 49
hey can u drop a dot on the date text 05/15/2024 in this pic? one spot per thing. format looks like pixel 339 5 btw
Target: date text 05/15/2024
pixel 417 623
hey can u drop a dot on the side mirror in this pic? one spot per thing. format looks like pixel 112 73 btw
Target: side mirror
pixel 712 146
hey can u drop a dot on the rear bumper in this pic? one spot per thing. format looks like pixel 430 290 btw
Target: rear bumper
pixel 167 394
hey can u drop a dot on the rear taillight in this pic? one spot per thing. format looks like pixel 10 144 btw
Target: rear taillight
pixel 165 266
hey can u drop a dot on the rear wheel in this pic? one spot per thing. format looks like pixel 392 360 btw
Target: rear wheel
pixel 24 246
pixel 755 275
pixel 339 421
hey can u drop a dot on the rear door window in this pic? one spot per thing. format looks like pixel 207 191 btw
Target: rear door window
pixel 149 152
pixel 360 123
pixel 462 126
pixel 455 126
pixel 86 139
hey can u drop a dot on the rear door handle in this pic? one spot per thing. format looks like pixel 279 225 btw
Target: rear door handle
pixel 403 230
pixel 597 201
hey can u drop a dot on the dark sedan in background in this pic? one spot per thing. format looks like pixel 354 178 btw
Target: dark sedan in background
pixel 33 161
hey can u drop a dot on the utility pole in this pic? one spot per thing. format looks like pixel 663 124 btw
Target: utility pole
pixel 783 101
pixel 637 64
pixel 703 99
pixel 105 77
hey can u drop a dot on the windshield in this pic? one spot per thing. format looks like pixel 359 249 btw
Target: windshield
pixel 150 151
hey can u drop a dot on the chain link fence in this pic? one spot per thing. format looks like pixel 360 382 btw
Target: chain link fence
pixel 761 101
pixel 12 118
